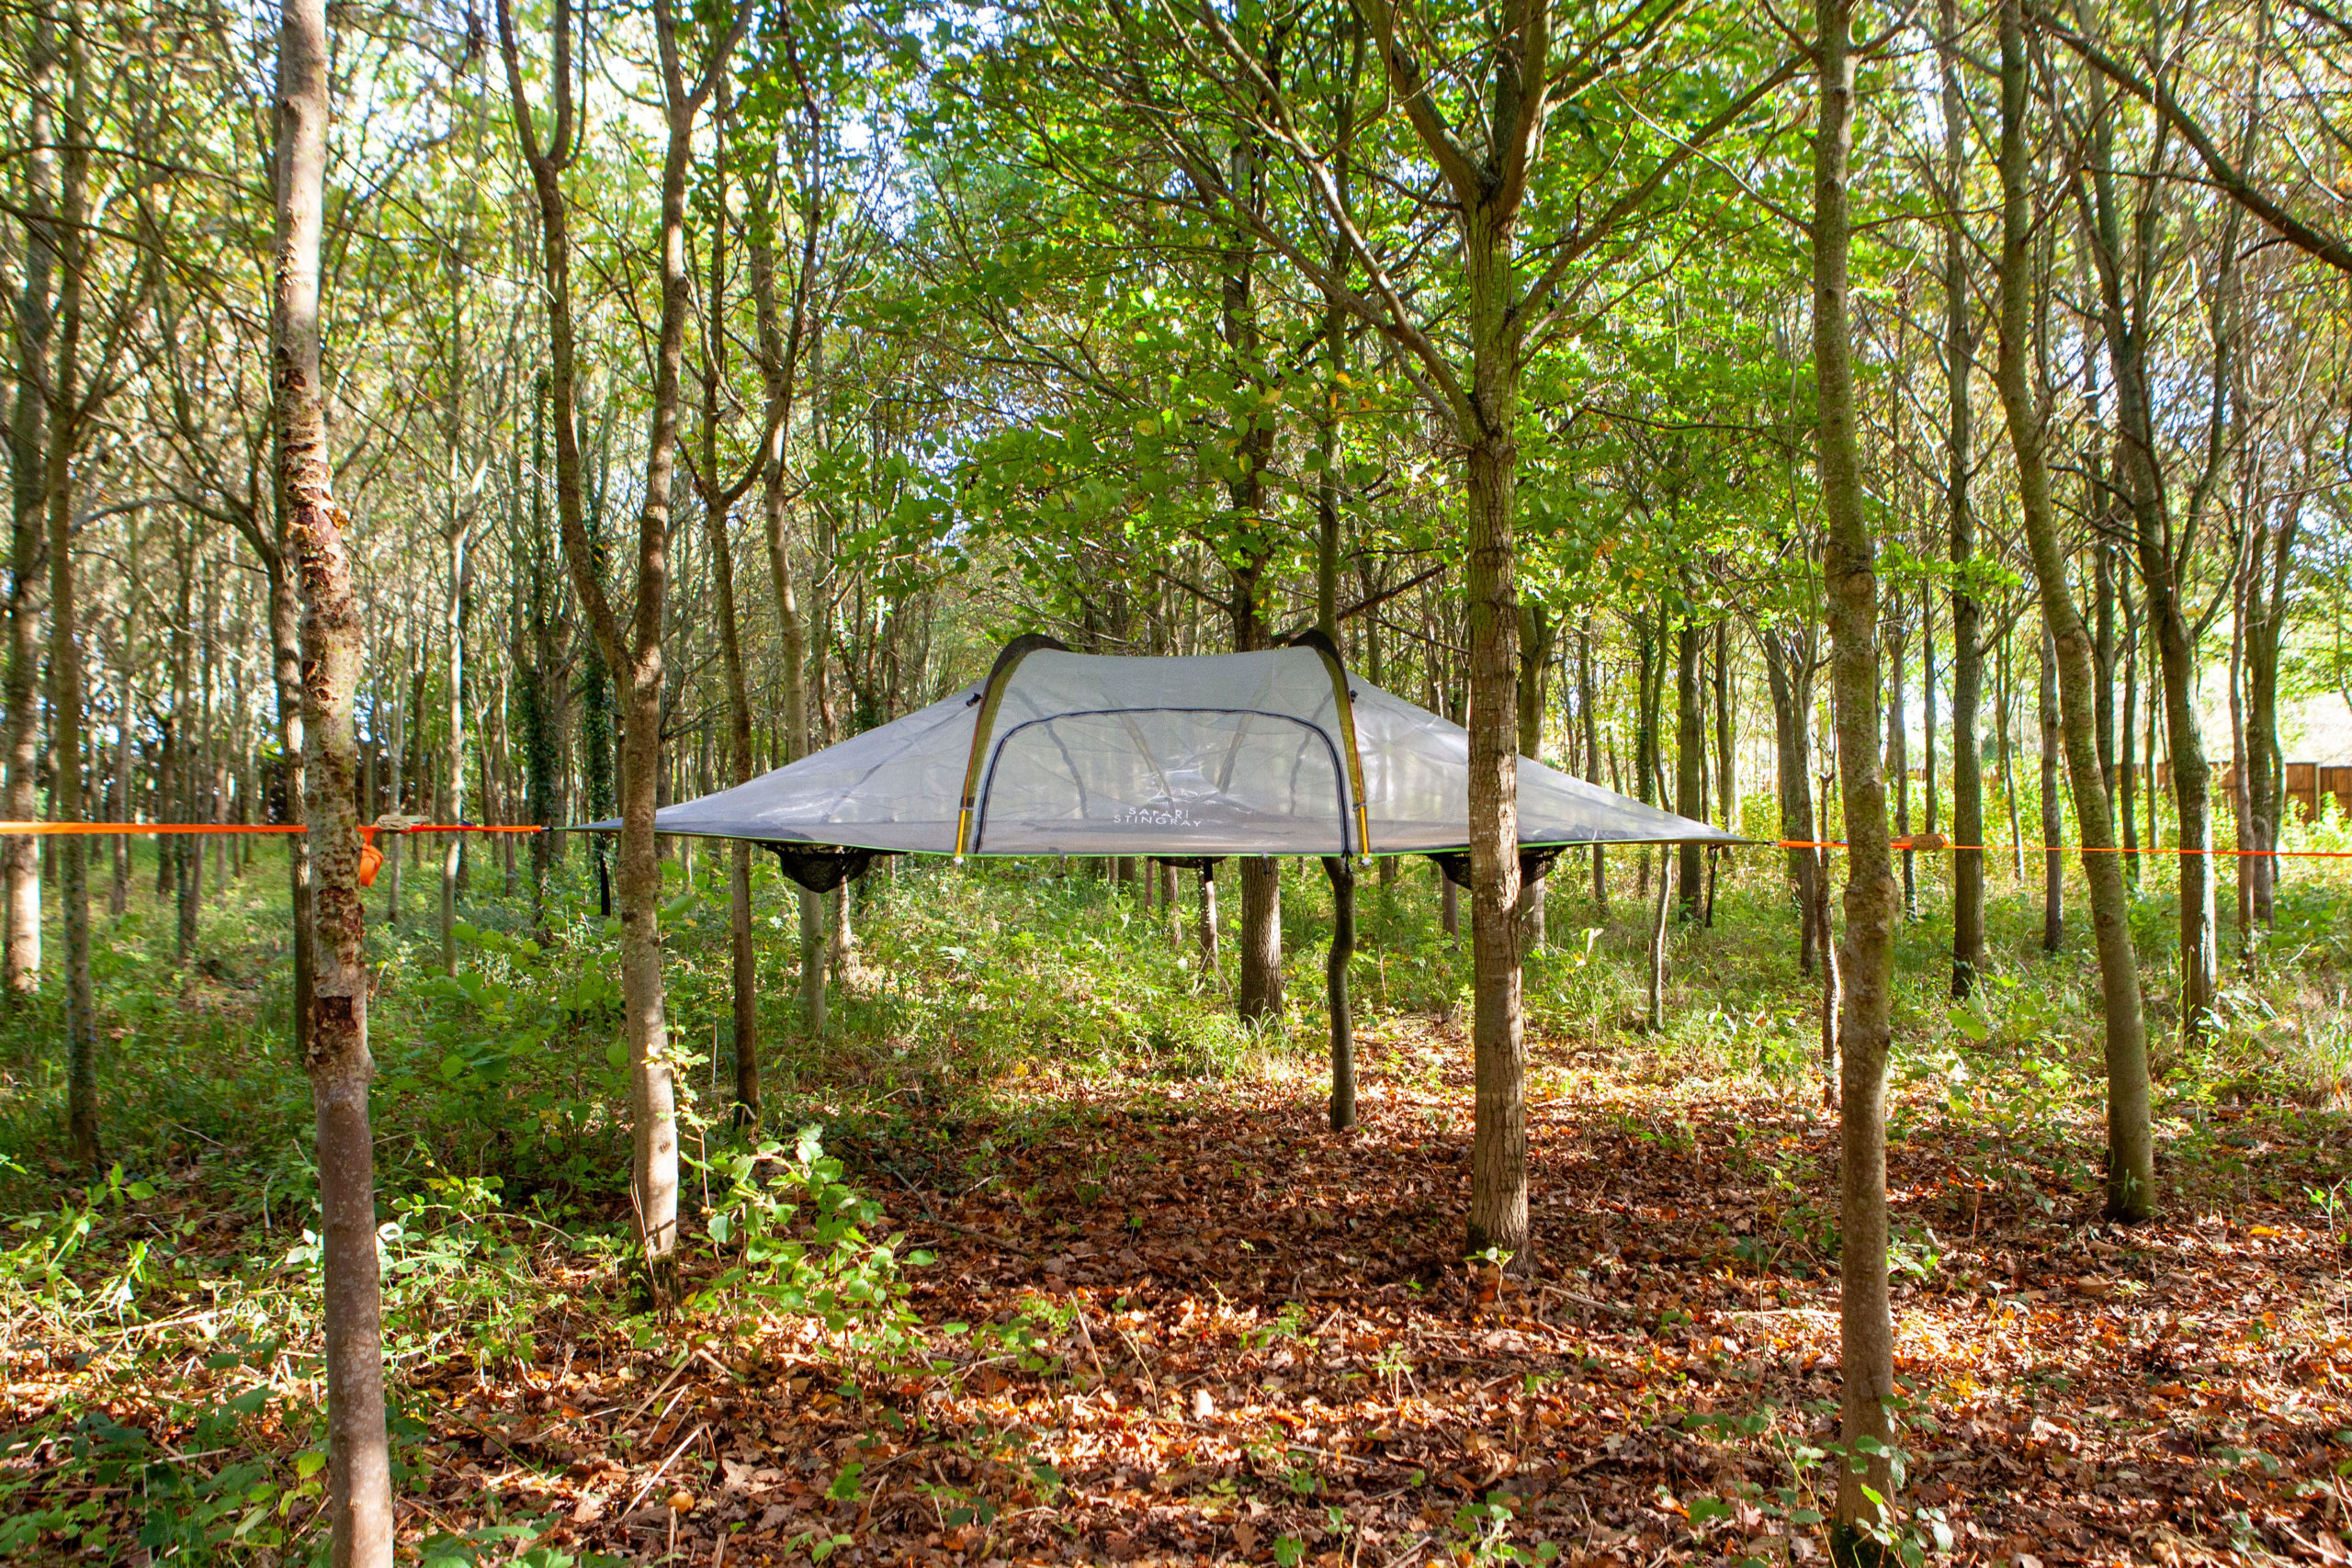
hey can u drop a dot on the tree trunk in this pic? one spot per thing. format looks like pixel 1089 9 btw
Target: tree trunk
pixel 2241 800
pixel 1343 947
pixel 2053 823
pixel 123 808
pixel 1537 634
pixel 1790 679
pixel 1898 753
pixel 1726 734
pixel 1690 754
pixel 2165 552
pixel 634 651
pixel 1967 653
pixel 1866 960
pixel 1260 984
pixel 742 966
pixel 780 354
pixel 1589 700
pixel 1667 871
pixel 1209 921
pixel 2131 1177
pixel 359 1492
pixel 2127 763
pixel 2266 627
pixel 65 631
pixel 35 323
pixel 1497 1217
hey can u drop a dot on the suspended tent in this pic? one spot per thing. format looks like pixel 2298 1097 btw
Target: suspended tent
pixel 1183 760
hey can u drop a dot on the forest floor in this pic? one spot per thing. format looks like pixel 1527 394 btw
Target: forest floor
pixel 1170 1316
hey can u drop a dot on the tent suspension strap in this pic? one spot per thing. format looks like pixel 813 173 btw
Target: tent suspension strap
pixel 1930 843
pixel 44 829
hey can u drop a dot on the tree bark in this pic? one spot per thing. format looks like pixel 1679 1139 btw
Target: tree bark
pixel 2131 1178
pixel 742 966
pixel 123 807
pixel 1689 752
pixel 29 578
pixel 1497 1217
pixel 1589 700
pixel 2164 551
pixel 1538 633
pixel 2053 822
pixel 1343 947
pixel 65 696
pixel 359 1494
pixel 1789 675
pixel 1967 650
pixel 781 343
pixel 633 651
pixel 1866 959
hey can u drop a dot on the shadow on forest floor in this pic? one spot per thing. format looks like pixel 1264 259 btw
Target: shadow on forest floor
pixel 1253 1339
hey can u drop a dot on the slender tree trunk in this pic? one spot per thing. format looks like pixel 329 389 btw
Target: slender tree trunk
pixel 1588 699
pixel 1537 634
pixel 1666 876
pixel 634 650
pixel 1209 921
pixel 1898 753
pixel 2008 764
pixel 1690 756
pixel 453 761
pixel 123 808
pixel 2127 764
pixel 743 968
pixel 2241 802
pixel 29 577
pixel 65 631
pixel 359 1496
pixel 2162 545
pixel 780 355
pixel 1791 681
pixel 2053 822
pixel 1726 753
pixel 2266 625
pixel 1343 947
pixel 2130 1176
pixel 1866 960
pixel 1967 653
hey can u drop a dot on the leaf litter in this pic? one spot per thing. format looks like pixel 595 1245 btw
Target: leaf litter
pixel 1178 1323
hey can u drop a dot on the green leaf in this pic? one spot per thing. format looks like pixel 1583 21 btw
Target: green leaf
pixel 1701 1509
pixel 844 1487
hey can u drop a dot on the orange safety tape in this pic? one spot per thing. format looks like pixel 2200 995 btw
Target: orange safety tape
pixel 2062 849
pixel 43 828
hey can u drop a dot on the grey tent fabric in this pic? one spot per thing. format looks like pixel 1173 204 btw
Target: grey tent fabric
pixel 1233 753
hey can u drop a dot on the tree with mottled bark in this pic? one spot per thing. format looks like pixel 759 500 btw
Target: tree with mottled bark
pixel 360 1489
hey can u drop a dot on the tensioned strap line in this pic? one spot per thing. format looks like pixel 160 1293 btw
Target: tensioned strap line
pixel 2065 848
pixel 114 828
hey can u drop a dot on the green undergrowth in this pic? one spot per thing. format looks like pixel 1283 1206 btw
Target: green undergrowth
pixel 984 1006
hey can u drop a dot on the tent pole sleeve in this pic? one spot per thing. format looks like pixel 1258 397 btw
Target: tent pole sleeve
pixel 991 697
pixel 1343 1033
pixel 1312 637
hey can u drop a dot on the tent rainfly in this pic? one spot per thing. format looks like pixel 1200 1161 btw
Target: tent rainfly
pixel 1281 752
